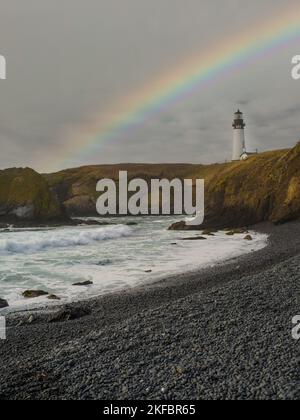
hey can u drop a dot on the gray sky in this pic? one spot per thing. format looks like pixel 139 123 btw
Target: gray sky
pixel 68 59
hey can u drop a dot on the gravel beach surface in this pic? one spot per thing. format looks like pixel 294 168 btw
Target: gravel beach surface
pixel 220 333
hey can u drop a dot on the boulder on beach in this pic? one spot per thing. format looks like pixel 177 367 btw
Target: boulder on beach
pixel 83 283
pixel 236 231
pixel 195 238
pixel 208 232
pixel 29 294
pixel 69 314
pixel 27 320
pixel 3 303
pixel 248 238
pixel 183 226
pixel 53 297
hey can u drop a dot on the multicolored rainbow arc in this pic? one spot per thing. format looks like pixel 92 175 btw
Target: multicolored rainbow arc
pixel 263 37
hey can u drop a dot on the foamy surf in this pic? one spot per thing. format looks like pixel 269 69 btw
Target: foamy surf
pixel 41 241
pixel 114 258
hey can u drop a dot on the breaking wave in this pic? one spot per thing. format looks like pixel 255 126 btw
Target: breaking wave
pixel 35 242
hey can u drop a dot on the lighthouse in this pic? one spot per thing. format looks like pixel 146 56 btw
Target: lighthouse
pixel 239 146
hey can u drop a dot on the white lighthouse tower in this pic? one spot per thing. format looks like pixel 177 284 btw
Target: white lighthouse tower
pixel 239 145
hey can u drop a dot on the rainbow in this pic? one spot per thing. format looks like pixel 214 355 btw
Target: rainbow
pixel 264 37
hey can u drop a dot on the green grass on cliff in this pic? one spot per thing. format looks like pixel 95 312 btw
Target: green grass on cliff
pixel 22 187
pixel 264 187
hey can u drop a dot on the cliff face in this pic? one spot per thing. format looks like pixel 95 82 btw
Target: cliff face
pixel 76 188
pixel 25 195
pixel 266 187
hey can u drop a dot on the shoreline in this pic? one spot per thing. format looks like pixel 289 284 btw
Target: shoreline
pixel 190 259
pixel 41 346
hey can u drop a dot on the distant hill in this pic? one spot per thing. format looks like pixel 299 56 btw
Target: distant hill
pixel 266 187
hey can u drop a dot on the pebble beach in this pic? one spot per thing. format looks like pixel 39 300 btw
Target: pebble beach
pixel 223 332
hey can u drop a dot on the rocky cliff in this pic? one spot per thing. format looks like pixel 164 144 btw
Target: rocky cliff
pixel 266 187
pixel 25 196
pixel 76 188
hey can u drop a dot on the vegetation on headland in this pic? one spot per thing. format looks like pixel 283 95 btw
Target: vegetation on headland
pixel 25 195
pixel 266 187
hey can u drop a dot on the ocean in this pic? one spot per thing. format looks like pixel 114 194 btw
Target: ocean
pixel 116 256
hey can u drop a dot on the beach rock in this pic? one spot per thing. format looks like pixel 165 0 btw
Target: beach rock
pixel 90 222
pixel 183 226
pixel 3 303
pixel 69 314
pixel 179 370
pixel 248 238
pixel 208 232
pixel 195 238
pixel 236 231
pixel 3 225
pixel 53 297
pixel 104 262
pixel 239 230
pixel 29 294
pixel 27 321
pixel 83 283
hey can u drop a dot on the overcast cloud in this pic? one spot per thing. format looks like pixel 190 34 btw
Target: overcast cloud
pixel 68 59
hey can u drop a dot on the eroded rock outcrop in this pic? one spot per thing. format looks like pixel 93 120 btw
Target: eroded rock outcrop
pixel 31 294
pixel 3 303
pixel 266 187
pixel 25 196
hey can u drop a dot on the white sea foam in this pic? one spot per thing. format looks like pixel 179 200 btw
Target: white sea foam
pixel 113 257
pixel 40 241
